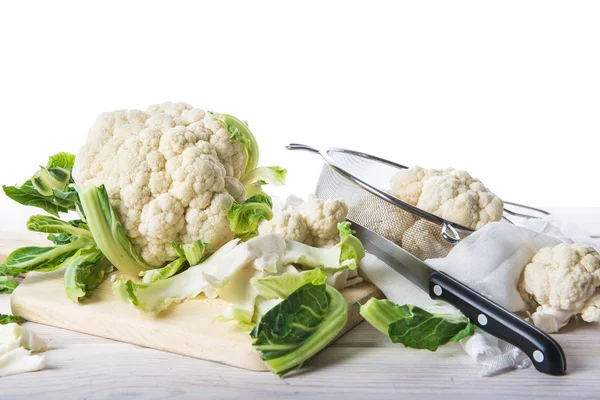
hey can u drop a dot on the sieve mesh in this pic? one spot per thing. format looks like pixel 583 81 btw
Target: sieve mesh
pixel 420 237
pixel 417 235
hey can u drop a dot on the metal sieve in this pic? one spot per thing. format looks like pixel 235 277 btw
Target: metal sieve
pixel 362 181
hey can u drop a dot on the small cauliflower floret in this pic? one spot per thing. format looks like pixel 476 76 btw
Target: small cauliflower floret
pixel 322 218
pixel 450 194
pixel 313 222
pixel 591 309
pixel 171 172
pixel 291 225
pixel 564 281
pixel 407 184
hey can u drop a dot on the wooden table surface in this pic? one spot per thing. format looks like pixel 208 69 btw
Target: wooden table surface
pixel 362 364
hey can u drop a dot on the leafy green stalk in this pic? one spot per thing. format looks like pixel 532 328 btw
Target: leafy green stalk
pixel 9 319
pixel 193 253
pixel 28 195
pixel 293 331
pixel 48 224
pixel 189 254
pixel 351 249
pixel 346 254
pixel 50 188
pixel 255 180
pixel 381 313
pixel 241 133
pixel 7 286
pixel 154 275
pixel 281 286
pixel 43 259
pixel 415 327
pixel 85 271
pixel 245 217
pixel 108 232
pixel 61 160
pixel 46 180
pixel 158 295
pixel 266 175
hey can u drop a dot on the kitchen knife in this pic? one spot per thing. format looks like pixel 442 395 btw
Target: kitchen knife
pixel 546 354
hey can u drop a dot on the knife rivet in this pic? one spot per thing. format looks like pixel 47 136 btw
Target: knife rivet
pixel 482 319
pixel 437 290
pixel 538 356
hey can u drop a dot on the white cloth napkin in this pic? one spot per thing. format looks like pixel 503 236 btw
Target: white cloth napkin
pixel 490 261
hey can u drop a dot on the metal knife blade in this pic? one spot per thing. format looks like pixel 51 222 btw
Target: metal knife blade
pixel 545 352
pixel 395 256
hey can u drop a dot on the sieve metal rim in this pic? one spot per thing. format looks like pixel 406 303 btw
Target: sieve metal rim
pixel 449 229
pixel 447 226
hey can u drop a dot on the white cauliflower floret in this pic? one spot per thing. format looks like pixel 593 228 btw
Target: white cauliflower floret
pixel 171 173
pixel 591 309
pixel 322 218
pixel 564 281
pixel 291 225
pixel 313 222
pixel 407 184
pixel 450 194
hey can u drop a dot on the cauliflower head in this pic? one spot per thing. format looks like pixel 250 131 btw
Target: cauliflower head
pixel 313 222
pixel 450 194
pixel 564 281
pixel 171 172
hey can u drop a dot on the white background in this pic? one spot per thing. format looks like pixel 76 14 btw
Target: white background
pixel 509 91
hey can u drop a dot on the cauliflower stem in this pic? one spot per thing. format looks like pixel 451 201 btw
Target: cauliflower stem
pixel 108 232
pixel 244 218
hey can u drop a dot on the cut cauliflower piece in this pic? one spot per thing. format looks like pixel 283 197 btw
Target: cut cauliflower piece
pixel 171 173
pixel 591 309
pixel 450 194
pixel 322 218
pixel 563 280
pixel 291 225
pixel 314 222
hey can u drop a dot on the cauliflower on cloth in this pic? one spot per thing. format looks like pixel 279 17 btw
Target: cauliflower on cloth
pixel 171 172
pixel 564 281
pixel 450 194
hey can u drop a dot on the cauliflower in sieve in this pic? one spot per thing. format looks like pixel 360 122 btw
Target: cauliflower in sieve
pixel 313 222
pixel 450 194
pixel 423 240
pixel 171 173
pixel 407 184
pixel 564 281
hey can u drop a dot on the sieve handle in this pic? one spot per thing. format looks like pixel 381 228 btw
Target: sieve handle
pixel 452 237
pixel 546 354
pixel 298 146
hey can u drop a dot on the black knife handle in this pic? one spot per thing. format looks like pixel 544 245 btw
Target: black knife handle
pixel 545 353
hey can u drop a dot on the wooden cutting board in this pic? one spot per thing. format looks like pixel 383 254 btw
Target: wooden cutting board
pixel 185 328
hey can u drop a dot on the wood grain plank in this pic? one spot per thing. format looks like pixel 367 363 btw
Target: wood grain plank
pixel 361 364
